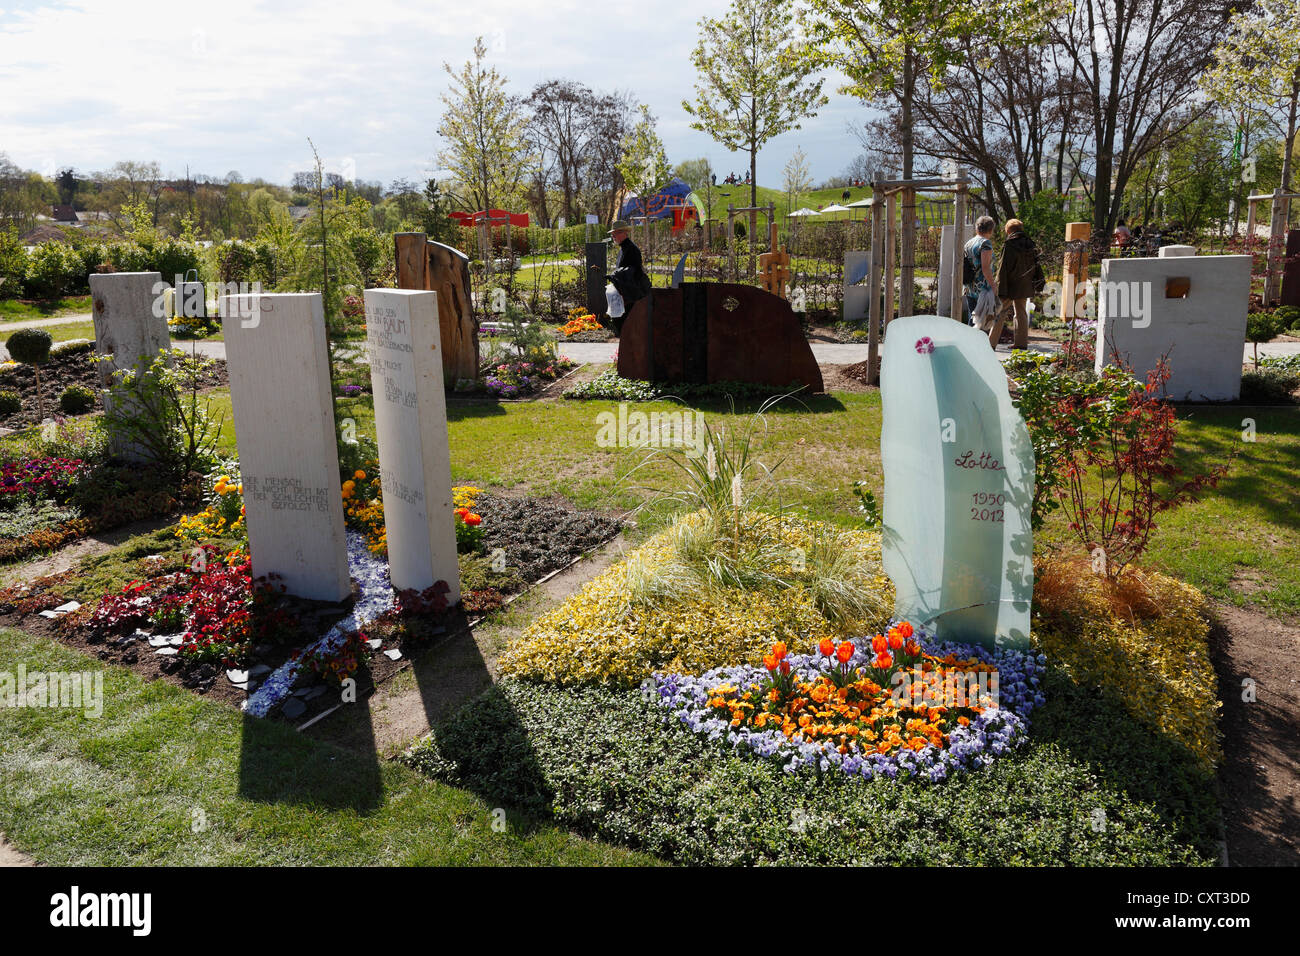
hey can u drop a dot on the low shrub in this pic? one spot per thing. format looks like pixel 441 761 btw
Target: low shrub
pixel 76 399
pixel 10 402
pixel 609 764
pixel 1139 640
pixel 636 618
pixel 610 386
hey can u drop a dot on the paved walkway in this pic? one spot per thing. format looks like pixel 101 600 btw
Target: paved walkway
pixel 826 353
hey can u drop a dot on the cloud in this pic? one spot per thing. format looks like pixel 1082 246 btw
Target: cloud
pixel 240 85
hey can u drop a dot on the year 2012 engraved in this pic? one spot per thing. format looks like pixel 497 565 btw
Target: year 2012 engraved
pixel 988 506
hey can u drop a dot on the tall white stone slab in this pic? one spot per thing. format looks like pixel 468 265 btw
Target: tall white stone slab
pixel 959 479
pixel 131 327
pixel 277 357
pixel 1191 309
pixel 945 263
pixel 403 340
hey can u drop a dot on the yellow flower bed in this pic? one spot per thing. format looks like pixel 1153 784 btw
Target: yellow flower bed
pixel 601 635
pixel 1142 643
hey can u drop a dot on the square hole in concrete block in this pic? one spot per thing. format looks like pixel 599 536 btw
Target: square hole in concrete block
pixel 1176 287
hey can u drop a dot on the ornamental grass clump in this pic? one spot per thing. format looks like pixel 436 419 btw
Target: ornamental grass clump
pixel 657 611
pixel 1141 640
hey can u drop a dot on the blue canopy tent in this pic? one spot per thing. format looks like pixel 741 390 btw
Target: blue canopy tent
pixel 660 204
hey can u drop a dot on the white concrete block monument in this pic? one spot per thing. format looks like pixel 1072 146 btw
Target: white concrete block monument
pixel 129 326
pixel 277 357
pixel 1191 309
pixel 403 340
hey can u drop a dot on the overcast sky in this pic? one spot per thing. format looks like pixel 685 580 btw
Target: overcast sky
pixel 241 84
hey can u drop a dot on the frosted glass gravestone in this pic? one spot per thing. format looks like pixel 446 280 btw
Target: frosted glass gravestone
pixel 278 360
pixel 959 478
pixel 402 337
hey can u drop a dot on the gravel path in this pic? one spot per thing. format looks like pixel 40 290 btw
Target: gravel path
pixel 826 353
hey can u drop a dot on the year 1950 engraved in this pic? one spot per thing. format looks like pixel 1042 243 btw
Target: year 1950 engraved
pixel 988 506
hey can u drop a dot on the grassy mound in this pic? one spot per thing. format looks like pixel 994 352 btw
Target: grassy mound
pixel 702 594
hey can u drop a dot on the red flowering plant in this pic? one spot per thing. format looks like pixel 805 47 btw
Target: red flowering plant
pixel 1117 483
pixel 41 477
pixel 409 602
pixel 215 605
pixel 334 665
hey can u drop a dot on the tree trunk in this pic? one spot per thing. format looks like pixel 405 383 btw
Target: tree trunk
pixel 909 85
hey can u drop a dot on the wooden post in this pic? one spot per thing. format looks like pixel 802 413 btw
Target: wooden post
pixel 908 257
pixel 891 238
pixel 1075 267
pixel 956 289
pixel 877 264
pixel 731 242
pixel 1276 244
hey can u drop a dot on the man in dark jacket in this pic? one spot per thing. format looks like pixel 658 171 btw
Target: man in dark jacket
pixel 1019 278
pixel 629 275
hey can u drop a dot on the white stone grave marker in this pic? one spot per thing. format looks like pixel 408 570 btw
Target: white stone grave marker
pixel 129 326
pixel 277 357
pixel 403 341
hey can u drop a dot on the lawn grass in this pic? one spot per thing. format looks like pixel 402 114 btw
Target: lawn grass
pixel 18 310
pixel 1249 525
pixel 164 777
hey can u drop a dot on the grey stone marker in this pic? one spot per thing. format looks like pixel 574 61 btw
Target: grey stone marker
pixel 277 357
pixel 129 326
pixel 411 428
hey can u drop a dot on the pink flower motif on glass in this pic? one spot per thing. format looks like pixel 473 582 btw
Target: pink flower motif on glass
pixel 924 345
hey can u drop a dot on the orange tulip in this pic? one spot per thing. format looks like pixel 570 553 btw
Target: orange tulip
pixel 878 644
pixel 905 629
pixel 769 662
pixel 895 641
pixel 779 650
pixel 827 647
pixel 844 652
pixel 883 661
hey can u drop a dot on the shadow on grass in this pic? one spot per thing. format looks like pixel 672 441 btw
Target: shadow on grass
pixel 1125 755
pixel 1263 474
pixel 278 764
pixel 462 409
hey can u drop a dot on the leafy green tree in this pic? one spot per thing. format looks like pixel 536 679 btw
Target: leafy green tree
pixel 484 131
pixel 1256 70
pixel 644 163
pixel 887 48
pixel 754 83
pixel 798 179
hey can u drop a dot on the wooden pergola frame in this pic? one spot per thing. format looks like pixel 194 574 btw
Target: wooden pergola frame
pixel 884 230
pixel 1279 214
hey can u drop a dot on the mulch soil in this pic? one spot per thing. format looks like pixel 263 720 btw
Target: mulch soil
pixel 1259 781
pixel 56 375
pixel 538 536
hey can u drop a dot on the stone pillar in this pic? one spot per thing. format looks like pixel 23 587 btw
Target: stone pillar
pixel 277 357
pixel 1172 252
pixel 943 305
pixel 130 326
pixel 402 337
